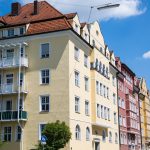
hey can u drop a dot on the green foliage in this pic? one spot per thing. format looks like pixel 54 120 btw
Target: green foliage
pixel 58 135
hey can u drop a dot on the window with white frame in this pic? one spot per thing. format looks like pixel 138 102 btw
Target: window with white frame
pixel 116 138
pixel 115 118
pixel 18 133
pixel 86 79
pixel 123 104
pixel 77 104
pixel 7 134
pixel 21 30
pixel 104 136
pixel 77 78
pixel 101 89
pixel 85 60
pixel 45 76
pixel 87 134
pixel 76 53
pixel 78 133
pixel 11 32
pixel 87 112
pixel 45 50
pixel 108 113
pixel 97 87
pixel 119 101
pixel 76 28
pixel 105 113
pixel 110 136
pixel 102 112
pixel 113 81
pixel 45 102
pixel 98 110
pixel 114 98
pixel 107 92
pixel 41 129
pixel 104 90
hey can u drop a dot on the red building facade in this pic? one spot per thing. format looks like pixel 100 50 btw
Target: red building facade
pixel 128 102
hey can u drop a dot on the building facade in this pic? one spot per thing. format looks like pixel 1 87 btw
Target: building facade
pixel 128 101
pixel 144 113
pixel 52 67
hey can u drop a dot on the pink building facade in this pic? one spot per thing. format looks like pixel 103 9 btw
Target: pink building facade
pixel 128 102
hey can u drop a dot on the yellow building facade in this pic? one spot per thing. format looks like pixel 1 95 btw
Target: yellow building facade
pixel 145 114
pixel 65 74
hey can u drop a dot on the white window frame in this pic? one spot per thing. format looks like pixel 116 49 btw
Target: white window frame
pixel 77 105
pixel 18 133
pixel 40 102
pixel 86 80
pixel 87 108
pixel 76 53
pixel 41 76
pixel 77 132
pixel 41 50
pixel 87 134
pixel 77 78
pixel 7 134
pixel 41 123
pixel 85 60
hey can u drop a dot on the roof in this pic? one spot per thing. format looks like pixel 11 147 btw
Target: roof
pixel 26 14
pixel 83 24
pixel 70 15
pixel 128 69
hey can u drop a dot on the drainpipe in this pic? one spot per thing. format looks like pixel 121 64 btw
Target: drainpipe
pixel 21 143
pixel 118 113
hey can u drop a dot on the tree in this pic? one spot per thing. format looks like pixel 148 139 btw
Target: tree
pixel 58 135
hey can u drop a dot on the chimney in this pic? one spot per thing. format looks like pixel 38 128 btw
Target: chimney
pixel 36 7
pixel 15 8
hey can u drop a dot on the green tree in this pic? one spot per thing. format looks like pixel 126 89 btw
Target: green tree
pixel 58 135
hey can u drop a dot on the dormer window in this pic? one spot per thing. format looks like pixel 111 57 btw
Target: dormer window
pixel 21 30
pixel 10 32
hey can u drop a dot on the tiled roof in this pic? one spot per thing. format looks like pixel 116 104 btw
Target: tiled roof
pixel 46 11
pixel 71 15
pixel 48 26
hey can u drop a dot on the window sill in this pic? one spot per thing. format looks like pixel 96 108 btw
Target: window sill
pixel 44 57
pixel 44 112
pixel 77 86
pixel 77 112
pixel 43 84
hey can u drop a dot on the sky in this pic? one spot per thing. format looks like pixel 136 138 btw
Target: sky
pixel 126 29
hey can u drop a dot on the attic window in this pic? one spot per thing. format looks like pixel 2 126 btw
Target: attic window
pixel 10 32
pixel 97 33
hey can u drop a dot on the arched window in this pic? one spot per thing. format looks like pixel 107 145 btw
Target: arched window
pixel 116 138
pixel 110 137
pixel 78 132
pixel 87 134
pixel 104 135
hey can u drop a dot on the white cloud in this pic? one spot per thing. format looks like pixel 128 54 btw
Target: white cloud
pixel 146 55
pixel 127 8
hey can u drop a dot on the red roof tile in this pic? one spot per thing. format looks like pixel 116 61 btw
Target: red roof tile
pixel 71 15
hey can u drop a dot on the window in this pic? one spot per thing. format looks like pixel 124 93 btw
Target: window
pixel 102 112
pixel 105 113
pixel 85 60
pixel 8 105
pixel 45 76
pixel 77 76
pixel 11 32
pixel 97 87
pixel 98 110
pixel 77 104
pixel 107 92
pixel 78 133
pixel 114 98
pixel 87 134
pixel 18 133
pixel 87 108
pixel 115 118
pixel 76 27
pixel 10 54
pixel 108 110
pixel 41 128
pixel 116 138
pixel 44 103
pixel 110 137
pixel 104 136
pixel 114 81
pixel 122 104
pixel 76 53
pixel 9 79
pixel 104 90
pixel 21 78
pixel 119 101
pixel 45 50
pixel 101 89
pixel 21 104
pixel 86 83
pixel 21 29
pixel 7 134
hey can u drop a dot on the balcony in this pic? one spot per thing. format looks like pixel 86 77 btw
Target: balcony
pixel 13 115
pixel 11 89
pixel 14 62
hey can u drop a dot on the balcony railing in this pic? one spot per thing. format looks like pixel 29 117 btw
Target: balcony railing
pixel 14 62
pixel 12 115
pixel 11 88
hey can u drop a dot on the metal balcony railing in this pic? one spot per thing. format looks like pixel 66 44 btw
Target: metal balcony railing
pixel 13 62
pixel 12 115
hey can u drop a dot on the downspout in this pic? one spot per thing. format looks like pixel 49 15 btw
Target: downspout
pixel 118 115
pixel 18 120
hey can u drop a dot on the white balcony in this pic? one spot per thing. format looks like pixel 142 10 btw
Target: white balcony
pixel 11 89
pixel 14 62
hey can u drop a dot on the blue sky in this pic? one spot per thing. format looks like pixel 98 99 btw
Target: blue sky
pixel 126 29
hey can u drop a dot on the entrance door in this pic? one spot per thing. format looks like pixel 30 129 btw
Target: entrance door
pixel 97 146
